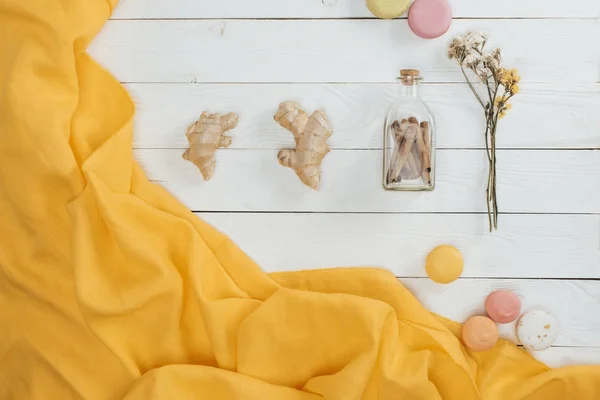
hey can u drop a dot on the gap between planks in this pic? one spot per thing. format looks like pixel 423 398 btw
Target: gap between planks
pixel 274 83
pixel 379 148
pixel 334 19
pixel 379 212
pixel 508 278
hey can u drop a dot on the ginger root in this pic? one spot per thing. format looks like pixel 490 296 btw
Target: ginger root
pixel 311 134
pixel 207 135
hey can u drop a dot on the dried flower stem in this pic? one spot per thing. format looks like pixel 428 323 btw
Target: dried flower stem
pixel 472 88
pixel 468 51
pixel 490 147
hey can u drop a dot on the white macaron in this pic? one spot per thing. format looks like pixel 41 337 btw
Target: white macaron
pixel 537 330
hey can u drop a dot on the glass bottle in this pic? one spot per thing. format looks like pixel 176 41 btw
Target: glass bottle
pixel 409 139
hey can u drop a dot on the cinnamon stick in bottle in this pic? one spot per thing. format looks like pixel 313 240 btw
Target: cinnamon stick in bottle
pixel 398 130
pixel 408 136
pixel 412 168
pixel 424 145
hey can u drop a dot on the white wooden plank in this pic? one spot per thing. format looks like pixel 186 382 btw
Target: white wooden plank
pixel 526 246
pixel 557 357
pixel 342 8
pixel 573 303
pixel 556 115
pixel 333 50
pixel 537 181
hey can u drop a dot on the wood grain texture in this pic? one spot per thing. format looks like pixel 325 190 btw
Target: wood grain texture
pixel 557 357
pixel 526 246
pixel 333 51
pixel 557 115
pixel 538 181
pixel 342 9
pixel 571 302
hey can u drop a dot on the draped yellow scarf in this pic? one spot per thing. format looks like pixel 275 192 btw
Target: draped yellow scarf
pixel 111 289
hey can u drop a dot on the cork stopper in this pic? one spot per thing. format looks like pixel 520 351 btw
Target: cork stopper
pixel 409 72
pixel 409 77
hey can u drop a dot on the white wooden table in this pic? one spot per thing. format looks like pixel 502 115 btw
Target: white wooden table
pixel 180 57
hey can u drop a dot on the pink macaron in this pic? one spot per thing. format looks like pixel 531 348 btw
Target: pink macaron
pixel 503 306
pixel 430 19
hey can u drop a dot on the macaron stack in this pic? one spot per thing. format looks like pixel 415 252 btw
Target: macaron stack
pixel 536 330
pixel 480 333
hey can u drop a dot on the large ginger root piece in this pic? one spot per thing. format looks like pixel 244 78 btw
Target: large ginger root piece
pixel 311 134
pixel 207 135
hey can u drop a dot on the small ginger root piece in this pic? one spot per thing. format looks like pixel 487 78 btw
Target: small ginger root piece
pixel 207 135
pixel 311 134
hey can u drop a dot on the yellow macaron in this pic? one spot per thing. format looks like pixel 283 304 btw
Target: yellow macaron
pixel 388 9
pixel 444 264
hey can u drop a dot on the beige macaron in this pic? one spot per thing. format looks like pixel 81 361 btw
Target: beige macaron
pixel 479 333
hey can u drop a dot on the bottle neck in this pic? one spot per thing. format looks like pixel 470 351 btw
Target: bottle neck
pixel 408 89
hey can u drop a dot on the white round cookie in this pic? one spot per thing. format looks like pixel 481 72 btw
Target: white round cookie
pixel 537 330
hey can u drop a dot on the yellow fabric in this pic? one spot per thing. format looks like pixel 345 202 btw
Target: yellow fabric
pixel 111 289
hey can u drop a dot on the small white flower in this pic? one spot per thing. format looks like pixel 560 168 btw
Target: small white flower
pixel 456 48
pixel 497 54
pixel 474 39
pixel 490 60
pixel 483 75
pixel 472 59
pixel 459 40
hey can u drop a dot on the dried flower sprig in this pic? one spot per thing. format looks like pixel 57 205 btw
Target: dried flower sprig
pixel 500 84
